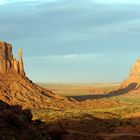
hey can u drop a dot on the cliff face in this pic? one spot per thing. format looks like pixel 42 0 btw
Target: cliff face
pixel 135 72
pixel 134 75
pixel 16 88
pixel 7 62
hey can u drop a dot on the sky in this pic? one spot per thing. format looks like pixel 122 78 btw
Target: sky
pixel 80 41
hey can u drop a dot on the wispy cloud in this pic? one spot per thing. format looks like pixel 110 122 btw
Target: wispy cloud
pixel 65 58
pixel 118 1
pixel 4 2
pixel 91 57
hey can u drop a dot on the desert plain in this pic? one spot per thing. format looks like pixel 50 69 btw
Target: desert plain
pixel 99 113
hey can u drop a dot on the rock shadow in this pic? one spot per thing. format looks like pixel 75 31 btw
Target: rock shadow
pixel 118 92
pixel 96 129
pixel 17 124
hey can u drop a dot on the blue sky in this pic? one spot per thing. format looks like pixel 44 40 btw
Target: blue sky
pixel 73 40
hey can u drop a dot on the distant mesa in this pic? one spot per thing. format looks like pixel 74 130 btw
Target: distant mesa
pixel 7 62
pixel 134 75
pixel 135 72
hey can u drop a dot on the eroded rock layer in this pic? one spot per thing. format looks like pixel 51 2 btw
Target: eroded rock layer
pixel 7 62
pixel 134 75
pixel 16 88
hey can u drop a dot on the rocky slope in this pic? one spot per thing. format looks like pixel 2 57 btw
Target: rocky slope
pixel 16 88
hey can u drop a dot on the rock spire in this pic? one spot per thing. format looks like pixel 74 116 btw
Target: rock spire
pixel 21 66
pixel 7 62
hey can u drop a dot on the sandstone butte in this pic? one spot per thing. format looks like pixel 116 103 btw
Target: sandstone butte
pixel 134 75
pixel 17 89
pixel 132 83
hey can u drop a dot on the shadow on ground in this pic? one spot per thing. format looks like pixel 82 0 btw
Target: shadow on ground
pixel 114 93
pixel 97 129
pixel 17 124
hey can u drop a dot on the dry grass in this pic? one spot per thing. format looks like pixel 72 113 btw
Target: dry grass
pixel 104 115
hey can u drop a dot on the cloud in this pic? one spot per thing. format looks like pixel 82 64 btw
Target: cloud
pixel 4 2
pixel 68 27
pixel 64 58
pixel 90 57
pixel 81 67
pixel 118 1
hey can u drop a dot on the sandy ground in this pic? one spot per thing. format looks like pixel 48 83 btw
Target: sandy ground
pixel 71 89
pixel 99 113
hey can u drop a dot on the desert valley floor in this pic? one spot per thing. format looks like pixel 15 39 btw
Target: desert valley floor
pixel 101 115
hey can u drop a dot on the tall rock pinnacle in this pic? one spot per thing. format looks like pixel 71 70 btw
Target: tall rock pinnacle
pixel 17 89
pixel 7 62
pixel 21 67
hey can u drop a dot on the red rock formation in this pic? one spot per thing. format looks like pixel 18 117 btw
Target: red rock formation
pixel 135 72
pixel 134 75
pixel 7 62
pixel 16 88
pixel 21 66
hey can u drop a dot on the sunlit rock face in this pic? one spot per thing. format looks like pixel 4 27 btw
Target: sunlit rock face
pixel 7 62
pixel 17 89
pixel 135 71
pixel 134 75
